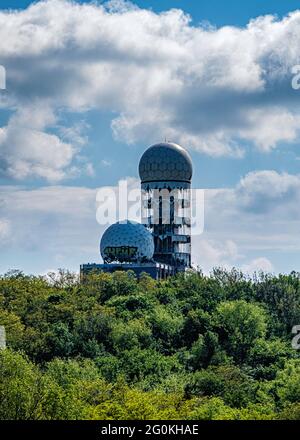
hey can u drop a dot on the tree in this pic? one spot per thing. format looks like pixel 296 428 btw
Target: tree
pixel 22 388
pixel 287 384
pixel 212 409
pixel 113 346
pixel 236 388
pixel 266 357
pixel 13 327
pixel 239 324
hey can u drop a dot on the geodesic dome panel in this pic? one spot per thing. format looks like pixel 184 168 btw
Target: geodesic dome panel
pixel 165 161
pixel 128 241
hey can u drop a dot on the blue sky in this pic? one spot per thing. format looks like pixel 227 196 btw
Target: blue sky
pixel 217 12
pixel 85 97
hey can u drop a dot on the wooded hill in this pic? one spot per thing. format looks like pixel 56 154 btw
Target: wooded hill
pixel 193 347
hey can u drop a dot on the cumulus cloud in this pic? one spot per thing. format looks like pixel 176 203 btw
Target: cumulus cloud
pixel 260 215
pixel 27 150
pixel 214 90
pixel 205 87
pixel 268 191
pixel 209 253
pixel 53 226
pixel 5 230
pixel 263 194
pixel 258 265
pixel 245 226
pixel 56 224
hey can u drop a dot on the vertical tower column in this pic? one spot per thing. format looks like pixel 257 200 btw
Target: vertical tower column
pixel 166 171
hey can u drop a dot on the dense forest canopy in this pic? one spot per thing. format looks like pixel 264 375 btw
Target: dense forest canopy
pixel 114 347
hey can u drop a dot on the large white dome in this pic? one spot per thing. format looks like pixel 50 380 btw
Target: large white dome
pixel 127 241
pixel 165 162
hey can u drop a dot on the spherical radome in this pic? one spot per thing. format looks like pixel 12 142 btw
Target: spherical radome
pixel 165 161
pixel 127 242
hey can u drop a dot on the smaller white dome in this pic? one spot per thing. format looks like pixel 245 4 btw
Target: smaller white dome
pixel 127 242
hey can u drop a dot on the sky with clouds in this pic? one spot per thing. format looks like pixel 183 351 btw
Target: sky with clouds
pixel 89 85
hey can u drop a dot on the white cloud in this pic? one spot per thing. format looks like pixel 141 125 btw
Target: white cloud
pixel 211 89
pixel 245 227
pixel 209 253
pixel 52 219
pixel 27 150
pixel 32 153
pixel 207 88
pixel 268 129
pixel 5 230
pixel 269 193
pixel 261 264
pixel 260 215
pixel 56 224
